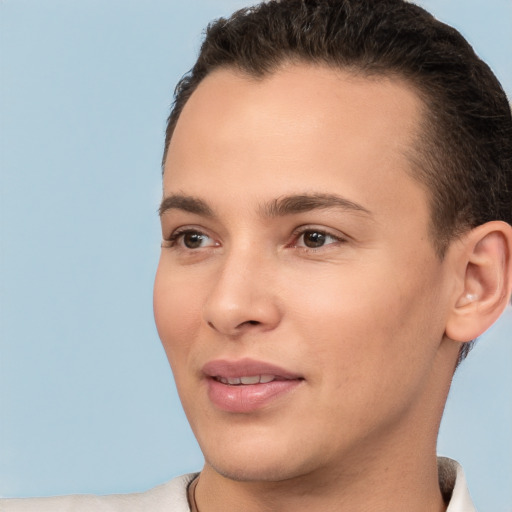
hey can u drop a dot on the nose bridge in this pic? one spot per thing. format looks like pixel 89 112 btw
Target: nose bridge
pixel 241 296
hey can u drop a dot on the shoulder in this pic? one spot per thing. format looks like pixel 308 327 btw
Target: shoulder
pixel 168 497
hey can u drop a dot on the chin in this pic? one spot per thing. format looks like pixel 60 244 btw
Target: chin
pixel 274 461
pixel 255 471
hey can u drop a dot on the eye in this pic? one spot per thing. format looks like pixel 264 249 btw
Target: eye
pixel 191 239
pixel 315 238
pixel 194 240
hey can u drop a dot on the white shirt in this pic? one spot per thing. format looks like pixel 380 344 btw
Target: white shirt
pixel 451 476
pixel 172 497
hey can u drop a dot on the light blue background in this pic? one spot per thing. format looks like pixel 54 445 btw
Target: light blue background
pixel 87 401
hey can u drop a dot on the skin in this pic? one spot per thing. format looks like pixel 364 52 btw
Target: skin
pixel 361 318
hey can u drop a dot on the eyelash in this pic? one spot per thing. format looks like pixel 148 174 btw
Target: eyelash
pixel 173 240
pixel 301 231
pixel 176 236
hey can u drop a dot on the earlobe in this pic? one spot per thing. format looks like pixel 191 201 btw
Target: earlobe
pixel 485 264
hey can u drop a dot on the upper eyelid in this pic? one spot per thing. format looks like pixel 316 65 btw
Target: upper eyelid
pixel 175 240
pixel 187 229
pixel 326 231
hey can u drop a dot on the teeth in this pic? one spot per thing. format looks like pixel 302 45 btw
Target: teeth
pixel 252 379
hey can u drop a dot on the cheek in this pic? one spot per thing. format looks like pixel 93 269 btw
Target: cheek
pixel 177 310
pixel 370 347
pixel 375 320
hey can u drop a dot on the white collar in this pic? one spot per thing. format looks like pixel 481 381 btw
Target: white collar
pixel 453 481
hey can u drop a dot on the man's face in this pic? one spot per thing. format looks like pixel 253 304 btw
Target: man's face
pixel 298 295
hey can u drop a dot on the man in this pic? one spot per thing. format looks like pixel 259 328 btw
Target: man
pixel 336 220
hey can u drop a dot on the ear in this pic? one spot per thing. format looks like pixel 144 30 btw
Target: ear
pixel 484 264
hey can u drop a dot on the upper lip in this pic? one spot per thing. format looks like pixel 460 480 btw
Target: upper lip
pixel 245 368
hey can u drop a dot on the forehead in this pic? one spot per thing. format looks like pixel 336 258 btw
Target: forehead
pixel 306 89
pixel 301 128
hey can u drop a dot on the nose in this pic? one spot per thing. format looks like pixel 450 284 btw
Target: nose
pixel 242 298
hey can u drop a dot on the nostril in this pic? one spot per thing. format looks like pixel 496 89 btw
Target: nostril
pixel 248 322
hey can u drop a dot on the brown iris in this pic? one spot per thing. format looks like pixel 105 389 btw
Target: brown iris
pixel 314 239
pixel 193 239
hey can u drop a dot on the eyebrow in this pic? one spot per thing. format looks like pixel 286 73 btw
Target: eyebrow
pixel 280 207
pixel 186 203
pixel 289 205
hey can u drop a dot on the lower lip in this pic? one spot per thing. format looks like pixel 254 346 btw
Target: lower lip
pixel 247 398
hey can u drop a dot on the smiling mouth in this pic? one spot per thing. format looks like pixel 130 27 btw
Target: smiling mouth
pixel 246 385
pixel 245 394
pixel 246 371
pixel 248 380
